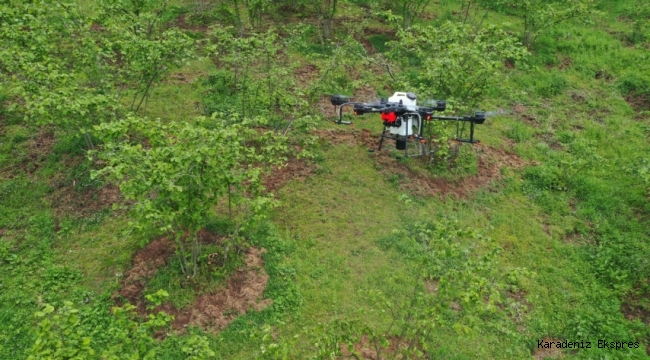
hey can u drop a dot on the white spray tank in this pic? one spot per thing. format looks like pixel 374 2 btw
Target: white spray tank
pixel 409 100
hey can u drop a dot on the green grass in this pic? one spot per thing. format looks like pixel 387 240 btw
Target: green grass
pixel 575 217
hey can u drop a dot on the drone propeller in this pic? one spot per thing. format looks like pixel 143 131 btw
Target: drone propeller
pixel 489 114
pixel 435 105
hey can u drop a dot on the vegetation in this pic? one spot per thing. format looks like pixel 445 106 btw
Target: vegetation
pixel 172 186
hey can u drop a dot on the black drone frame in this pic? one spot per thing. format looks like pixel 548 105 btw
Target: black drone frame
pixel 404 114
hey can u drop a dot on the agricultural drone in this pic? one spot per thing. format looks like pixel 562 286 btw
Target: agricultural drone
pixel 405 121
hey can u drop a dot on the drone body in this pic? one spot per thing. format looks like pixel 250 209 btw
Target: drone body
pixel 404 120
pixel 393 122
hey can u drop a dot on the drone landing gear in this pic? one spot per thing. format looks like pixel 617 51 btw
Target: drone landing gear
pixel 402 143
pixel 471 139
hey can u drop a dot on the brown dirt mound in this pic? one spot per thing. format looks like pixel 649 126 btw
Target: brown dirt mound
pixel 634 311
pixel 41 145
pixel 73 198
pixel 490 163
pixel 295 169
pixel 242 292
pixel 145 263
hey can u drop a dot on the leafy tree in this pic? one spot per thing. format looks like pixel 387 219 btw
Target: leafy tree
pixel 457 63
pixel 177 172
pixel 142 49
pixel 407 10
pixel 55 72
pixel 325 9
pixel 475 12
pixel 257 81
pixel 256 9
pixel 70 71
pixel 540 16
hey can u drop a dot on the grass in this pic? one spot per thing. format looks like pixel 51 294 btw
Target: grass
pixel 339 255
pixel 575 218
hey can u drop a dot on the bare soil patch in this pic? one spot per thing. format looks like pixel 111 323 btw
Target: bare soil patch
pixel 520 307
pixel 552 143
pixel 529 119
pixel 490 162
pixel 565 63
pixel 550 353
pixel 184 78
pixel 432 286
pixel 603 74
pixel 636 306
pixel 242 292
pixel 519 109
pixel 183 23
pixel 146 262
pixel 42 144
pixel 38 150
pixel 363 94
pixel 367 350
pixel 370 49
pixel 328 110
pixel 294 169
pixel 5 234
pixel 361 137
pixel 639 102
pixel 67 200
pixel 522 112
pixel 307 73
pixel 380 31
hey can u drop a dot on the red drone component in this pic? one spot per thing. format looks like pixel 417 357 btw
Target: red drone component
pixel 389 117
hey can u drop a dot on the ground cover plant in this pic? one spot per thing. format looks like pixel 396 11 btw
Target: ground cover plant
pixel 172 185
